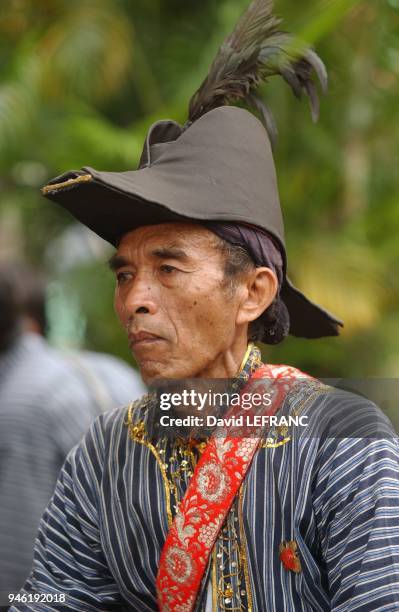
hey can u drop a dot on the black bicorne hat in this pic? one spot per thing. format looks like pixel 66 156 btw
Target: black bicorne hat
pixel 219 166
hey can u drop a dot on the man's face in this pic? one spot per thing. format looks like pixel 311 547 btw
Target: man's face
pixel 171 297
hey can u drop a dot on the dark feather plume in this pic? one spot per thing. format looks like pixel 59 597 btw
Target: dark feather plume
pixel 255 51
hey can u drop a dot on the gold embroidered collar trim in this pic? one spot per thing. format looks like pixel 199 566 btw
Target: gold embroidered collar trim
pixel 83 178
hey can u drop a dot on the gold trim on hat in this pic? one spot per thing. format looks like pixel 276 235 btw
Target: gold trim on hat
pixel 83 178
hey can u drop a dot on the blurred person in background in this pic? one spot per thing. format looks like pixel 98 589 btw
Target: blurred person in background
pixel 48 399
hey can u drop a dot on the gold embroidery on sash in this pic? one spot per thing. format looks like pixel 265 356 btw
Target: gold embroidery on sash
pixel 246 357
pixel 268 443
pixel 137 433
pixel 243 544
pixel 179 467
pixel 214 580
pixel 273 434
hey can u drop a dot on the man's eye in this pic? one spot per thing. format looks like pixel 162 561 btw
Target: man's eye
pixel 168 269
pixel 122 277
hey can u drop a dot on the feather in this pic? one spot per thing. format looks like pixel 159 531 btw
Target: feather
pixel 253 52
pixel 266 115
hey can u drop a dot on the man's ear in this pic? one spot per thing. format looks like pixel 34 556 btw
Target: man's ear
pixel 260 290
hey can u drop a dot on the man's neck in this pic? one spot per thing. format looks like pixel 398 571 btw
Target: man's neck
pixel 228 364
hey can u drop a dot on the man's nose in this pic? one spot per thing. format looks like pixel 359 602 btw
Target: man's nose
pixel 141 298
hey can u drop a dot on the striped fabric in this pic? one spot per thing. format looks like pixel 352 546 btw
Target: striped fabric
pixel 338 498
pixel 46 405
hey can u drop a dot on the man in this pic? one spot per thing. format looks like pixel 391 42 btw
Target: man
pixel 47 402
pixel 260 523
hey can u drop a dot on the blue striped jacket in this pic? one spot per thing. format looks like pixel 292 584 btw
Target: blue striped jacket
pixel 336 497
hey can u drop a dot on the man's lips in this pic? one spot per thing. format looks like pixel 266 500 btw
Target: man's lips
pixel 142 338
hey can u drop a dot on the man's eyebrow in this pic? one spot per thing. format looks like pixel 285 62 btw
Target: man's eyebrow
pixel 117 261
pixel 170 253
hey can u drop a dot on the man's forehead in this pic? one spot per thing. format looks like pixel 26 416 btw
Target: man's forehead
pixel 168 235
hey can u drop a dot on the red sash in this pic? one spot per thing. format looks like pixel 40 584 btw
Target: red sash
pixel 215 482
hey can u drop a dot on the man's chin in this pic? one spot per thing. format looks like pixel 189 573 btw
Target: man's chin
pixel 155 371
pixel 150 367
pixel 152 371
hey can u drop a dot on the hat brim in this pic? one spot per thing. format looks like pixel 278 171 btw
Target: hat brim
pixel 307 319
pixel 110 208
pixel 106 208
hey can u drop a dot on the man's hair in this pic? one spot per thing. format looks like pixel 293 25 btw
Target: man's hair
pixel 9 313
pixel 23 294
pixel 30 285
pixel 237 261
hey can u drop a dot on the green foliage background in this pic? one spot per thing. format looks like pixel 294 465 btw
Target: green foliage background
pixel 81 82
